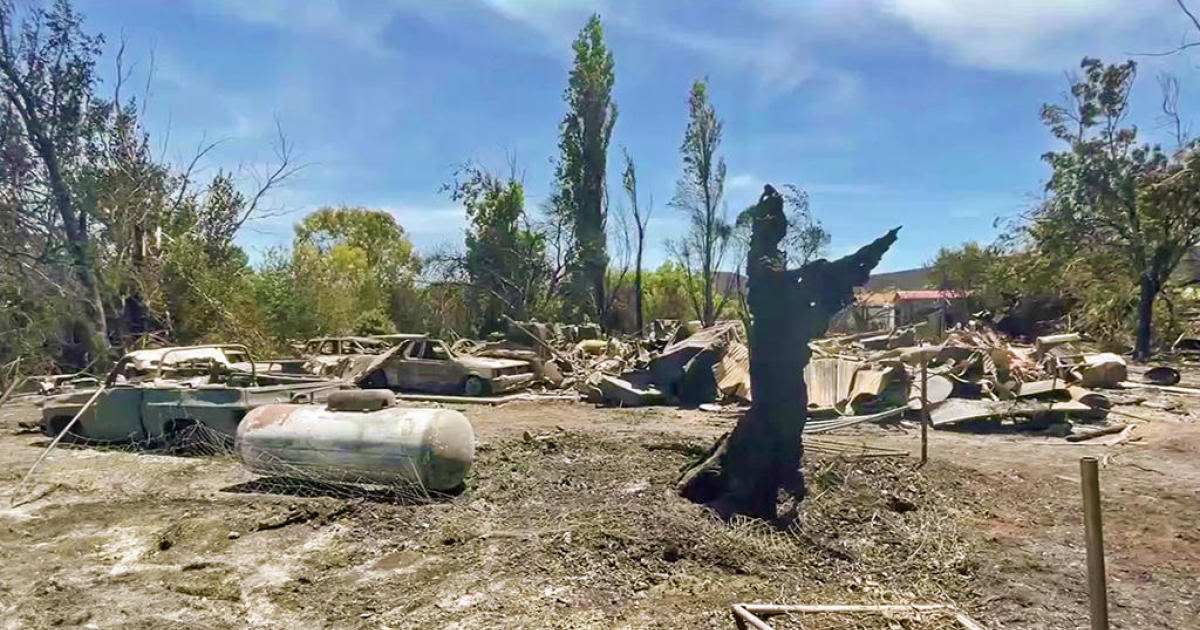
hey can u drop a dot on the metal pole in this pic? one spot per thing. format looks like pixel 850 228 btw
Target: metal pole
pixel 1089 473
pixel 924 411
pixel 12 500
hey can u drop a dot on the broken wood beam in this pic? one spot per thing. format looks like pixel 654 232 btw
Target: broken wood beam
pixel 1095 433
pixel 777 609
pixel 1174 389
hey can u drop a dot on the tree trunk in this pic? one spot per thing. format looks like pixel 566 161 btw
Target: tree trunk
pixel 763 454
pixel 637 278
pixel 1145 312
pixel 707 318
pixel 74 219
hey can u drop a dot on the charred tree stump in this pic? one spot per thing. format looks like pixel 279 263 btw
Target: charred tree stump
pixel 747 468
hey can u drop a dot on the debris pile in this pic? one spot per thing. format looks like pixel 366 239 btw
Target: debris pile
pixel 976 377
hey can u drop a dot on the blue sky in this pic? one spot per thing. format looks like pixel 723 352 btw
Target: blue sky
pixel 921 113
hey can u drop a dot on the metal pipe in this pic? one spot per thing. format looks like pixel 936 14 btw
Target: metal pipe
pixel 775 609
pixel 1089 473
pixel 746 619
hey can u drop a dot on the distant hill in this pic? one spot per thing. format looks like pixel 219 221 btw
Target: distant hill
pixel 906 280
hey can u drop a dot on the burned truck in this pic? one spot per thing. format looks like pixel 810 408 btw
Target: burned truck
pixel 163 395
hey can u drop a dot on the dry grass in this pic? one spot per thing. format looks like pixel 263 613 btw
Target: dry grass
pixel 594 522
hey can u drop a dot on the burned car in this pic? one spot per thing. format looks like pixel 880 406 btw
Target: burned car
pixel 155 396
pixel 327 356
pixel 423 364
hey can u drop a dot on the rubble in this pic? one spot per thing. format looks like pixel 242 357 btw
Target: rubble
pixel 1101 370
pixel 733 373
pixel 975 371
pixel 626 394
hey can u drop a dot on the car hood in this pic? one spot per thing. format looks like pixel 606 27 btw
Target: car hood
pixel 484 363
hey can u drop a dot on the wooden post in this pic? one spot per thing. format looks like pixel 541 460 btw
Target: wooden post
pixel 1097 590
pixel 924 411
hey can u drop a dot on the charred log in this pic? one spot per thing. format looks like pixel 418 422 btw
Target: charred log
pixel 763 454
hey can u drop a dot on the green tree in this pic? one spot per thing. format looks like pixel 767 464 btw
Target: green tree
pixel 699 193
pixel 287 314
pixel 115 239
pixel 666 293
pixel 51 124
pixel 374 322
pixel 806 237
pixel 975 270
pixel 580 196
pixel 505 261
pixel 347 261
pixel 1112 197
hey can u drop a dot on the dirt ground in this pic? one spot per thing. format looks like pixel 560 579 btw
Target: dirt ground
pixel 568 521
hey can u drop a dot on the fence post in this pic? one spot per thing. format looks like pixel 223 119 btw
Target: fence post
pixel 1089 473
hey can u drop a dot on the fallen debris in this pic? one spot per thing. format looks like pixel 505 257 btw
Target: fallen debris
pixel 622 393
pixel 750 615
pixel 1101 370
pixel 1095 433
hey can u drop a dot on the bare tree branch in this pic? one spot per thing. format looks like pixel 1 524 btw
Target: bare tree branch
pixel 285 154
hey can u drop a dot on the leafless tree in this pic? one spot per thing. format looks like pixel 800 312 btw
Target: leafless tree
pixel 640 221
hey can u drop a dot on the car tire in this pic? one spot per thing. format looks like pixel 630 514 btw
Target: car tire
pixel 375 380
pixel 475 386
pixel 182 436
pixel 55 425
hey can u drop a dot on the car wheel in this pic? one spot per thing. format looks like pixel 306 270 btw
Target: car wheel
pixel 375 380
pixel 56 426
pixel 475 386
pixel 182 436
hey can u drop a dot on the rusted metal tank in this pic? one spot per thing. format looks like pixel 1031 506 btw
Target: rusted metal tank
pixel 430 448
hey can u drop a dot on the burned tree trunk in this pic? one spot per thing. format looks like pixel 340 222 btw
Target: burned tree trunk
pixel 746 469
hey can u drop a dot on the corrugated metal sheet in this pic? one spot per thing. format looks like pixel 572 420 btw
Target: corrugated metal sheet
pixel 846 370
pixel 733 372
pixel 829 380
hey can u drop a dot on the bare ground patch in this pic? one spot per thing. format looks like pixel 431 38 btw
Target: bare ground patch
pixel 579 529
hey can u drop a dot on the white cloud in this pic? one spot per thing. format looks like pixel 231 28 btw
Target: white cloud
pixel 358 24
pixel 558 21
pixel 1034 35
pixel 429 224
pixel 745 183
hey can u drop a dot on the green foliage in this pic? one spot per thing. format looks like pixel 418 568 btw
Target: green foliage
pixel 666 293
pixel 580 197
pixel 349 268
pixel 1120 211
pixel 1119 217
pixel 985 274
pixel 699 193
pixel 286 315
pixel 505 262
pixel 374 322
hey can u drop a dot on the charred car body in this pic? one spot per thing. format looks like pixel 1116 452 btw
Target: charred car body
pixel 423 364
pixel 156 395
pixel 327 356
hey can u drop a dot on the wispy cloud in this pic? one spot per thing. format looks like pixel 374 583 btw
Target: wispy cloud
pixel 358 24
pixel 429 225
pixel 744 183
pixel 1032 35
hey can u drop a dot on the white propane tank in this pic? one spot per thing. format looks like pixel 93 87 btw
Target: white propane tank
pixel 432 448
